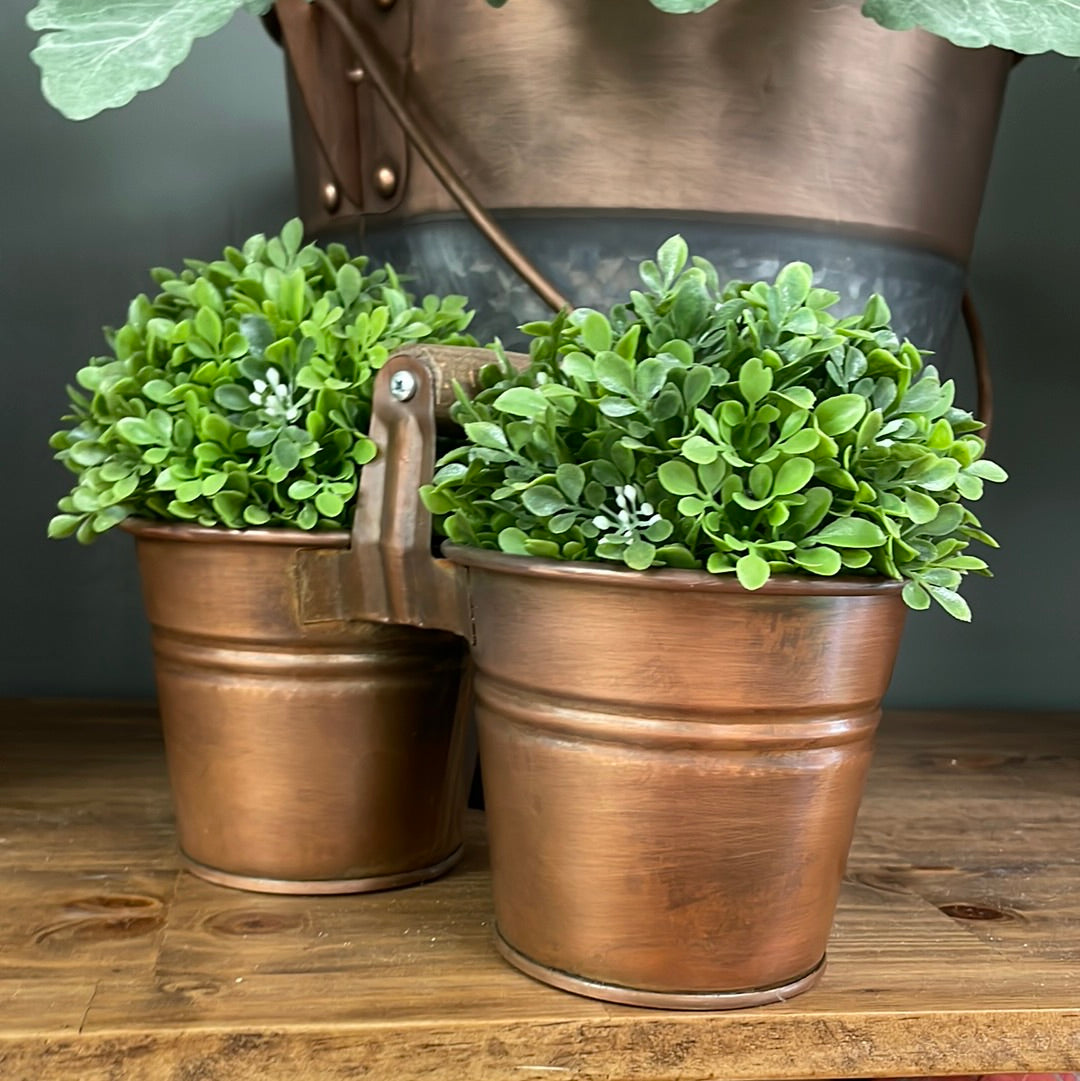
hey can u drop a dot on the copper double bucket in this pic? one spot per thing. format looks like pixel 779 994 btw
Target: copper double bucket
pixel 672 765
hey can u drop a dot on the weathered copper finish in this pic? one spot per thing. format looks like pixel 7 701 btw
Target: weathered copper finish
pixel 785 110
pixel 362 39
pixel 672 770
pixel 345 131
pixel 672 764
pixel 305 756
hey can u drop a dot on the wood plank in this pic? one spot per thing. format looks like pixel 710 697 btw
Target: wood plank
pixel 956 947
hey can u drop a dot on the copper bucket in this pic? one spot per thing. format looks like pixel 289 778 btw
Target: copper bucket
pixel 764 132
pixel 672 765
pixel 309 750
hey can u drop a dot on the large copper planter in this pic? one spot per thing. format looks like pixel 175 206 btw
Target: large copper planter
pixel 672 765
pixel 307 753
pixel 765 132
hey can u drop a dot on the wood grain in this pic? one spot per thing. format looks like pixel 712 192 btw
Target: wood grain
pixel 956 947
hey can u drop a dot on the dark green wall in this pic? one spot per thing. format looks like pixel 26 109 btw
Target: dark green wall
pixel 85 208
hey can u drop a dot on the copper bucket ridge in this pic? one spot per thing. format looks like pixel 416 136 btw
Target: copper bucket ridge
pixel 672 765
pixel 309 750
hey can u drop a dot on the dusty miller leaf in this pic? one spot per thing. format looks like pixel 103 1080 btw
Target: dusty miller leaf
pixel 1025 26
pixel 92 59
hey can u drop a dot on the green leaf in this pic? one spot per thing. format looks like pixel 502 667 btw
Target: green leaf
pixel 649 377
pixel 286 455
pixel 137 430
pixel 579 366
pixel 639 554
pixel 850 533
pixel 571 479
pixel 840 414
pixel 213 483
pixel 752 571
pixel 792 476
pixel 328 504
pixel 659 531
pixel 933 474
pixel 922 508
pixel 825 561
pixel 615 373
pixel 916 597
pixel 793 285
pixel 616 407
pixel 755 380
pixel 64 525
pixel 951 601
pixel 673 253
pixel 761 481
pixel 485 434
pixel 700 450
pixel 292 236
pixel 596 332
pixel 802 442
pixel 157 390
pixel 257 331
pixel 1032 27
pixel 302 489
pixel 677 478
pixel 189 491
pixel 543 500
pixel 93 58
pixel 256 516
pixel 363 451
pixel 232 396
pixel 696 385
pixel 987 470
pixel 521 402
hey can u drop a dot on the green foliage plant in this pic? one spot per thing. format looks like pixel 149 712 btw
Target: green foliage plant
pixel 240 395
pixel 98 54
pixel 741 429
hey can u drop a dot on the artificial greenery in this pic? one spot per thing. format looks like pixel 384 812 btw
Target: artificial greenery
pixel 1021 26
pixel 98 54
pixel 742 429
pixel 240 395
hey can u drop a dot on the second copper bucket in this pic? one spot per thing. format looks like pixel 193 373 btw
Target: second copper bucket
pixel 672 770
pixel 672 765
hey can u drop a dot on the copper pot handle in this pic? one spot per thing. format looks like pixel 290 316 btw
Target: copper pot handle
pixel 396 578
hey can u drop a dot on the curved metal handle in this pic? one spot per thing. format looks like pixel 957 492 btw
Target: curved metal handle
pixel 983 379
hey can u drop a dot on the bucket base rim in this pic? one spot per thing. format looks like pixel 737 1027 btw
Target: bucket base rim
pixel 662 1000
pixel 319 887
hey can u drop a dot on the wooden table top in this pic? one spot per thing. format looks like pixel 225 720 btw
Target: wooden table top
pixel 956 947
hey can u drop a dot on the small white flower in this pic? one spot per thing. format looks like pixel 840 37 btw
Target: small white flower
pixel 628 518
pixel 274 397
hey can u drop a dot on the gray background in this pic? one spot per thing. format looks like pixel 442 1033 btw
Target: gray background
pixel 86 208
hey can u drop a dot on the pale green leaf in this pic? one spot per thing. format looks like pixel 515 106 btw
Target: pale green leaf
pixel 1024 26
pixel 94 57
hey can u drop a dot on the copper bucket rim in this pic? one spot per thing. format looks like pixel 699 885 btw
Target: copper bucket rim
pixel 294 538
pixel 673 580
